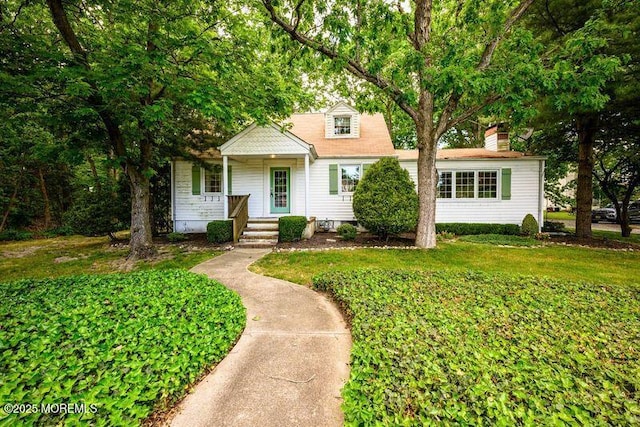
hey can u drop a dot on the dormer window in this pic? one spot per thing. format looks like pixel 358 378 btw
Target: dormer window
pixel 342 125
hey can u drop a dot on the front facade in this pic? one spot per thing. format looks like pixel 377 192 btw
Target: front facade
pixel 311 165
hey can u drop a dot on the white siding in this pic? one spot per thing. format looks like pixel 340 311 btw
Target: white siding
pixel 342 110
pixel 192 213
pixel 323 205
pixel 252 176
pixel 525 190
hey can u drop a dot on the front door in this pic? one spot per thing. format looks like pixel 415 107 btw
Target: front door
pixel 280 190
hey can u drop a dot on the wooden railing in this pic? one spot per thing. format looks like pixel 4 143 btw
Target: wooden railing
pixel 239 213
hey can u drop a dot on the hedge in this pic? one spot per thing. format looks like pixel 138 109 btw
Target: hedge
pixel 220 231
pixel 461 229
pixel 291 228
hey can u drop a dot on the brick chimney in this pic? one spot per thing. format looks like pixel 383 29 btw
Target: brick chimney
pixel 496 138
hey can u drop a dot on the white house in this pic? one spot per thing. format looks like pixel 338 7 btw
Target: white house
pixel 311 165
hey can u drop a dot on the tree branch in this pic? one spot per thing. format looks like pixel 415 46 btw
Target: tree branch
pixel 422 24
pixel 471 111
pixel 62 23
pixel 516 14
pixel 352 66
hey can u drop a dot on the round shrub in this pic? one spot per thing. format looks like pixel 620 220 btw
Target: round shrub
pixel 385 201
pixel 347 231
pixel 529 226
pixel 220 231
pixel 291 228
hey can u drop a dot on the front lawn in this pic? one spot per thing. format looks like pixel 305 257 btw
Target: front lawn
pixel 62 256
pixel 471 348
pixel 556 261
pixel 126 343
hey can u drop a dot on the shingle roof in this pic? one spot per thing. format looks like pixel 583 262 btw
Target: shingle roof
pixel 374 136
pixel 462 153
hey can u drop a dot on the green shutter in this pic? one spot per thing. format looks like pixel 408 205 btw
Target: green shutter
pixel 333 179
pixel 195 180
pixel 365 167
pixel 506 184
pixel 229 180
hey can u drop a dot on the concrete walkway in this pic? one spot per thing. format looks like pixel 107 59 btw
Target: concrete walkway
pixel 288 366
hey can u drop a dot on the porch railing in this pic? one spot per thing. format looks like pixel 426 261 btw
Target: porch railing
pixel 239 213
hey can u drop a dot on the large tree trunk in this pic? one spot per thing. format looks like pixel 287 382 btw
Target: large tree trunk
pixel 45 198
pixel 586 128
pixel 141 244
pixel 427 178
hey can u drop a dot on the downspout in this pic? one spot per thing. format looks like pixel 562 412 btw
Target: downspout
pixel 541 196
pixel 173 195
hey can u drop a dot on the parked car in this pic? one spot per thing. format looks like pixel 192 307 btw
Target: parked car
pixel 608 213
pixel 634 212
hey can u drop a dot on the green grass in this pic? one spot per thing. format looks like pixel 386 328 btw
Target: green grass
pixel 562 215
pixel 126 343
pixel 61 256
pixel 468 348
pixel 560 262
pixel 499 239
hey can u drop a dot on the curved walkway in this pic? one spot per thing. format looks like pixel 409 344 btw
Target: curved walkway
pixel 290 362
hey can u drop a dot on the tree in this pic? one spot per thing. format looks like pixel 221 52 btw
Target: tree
pixel 590 40
pixel 385 201
pixel 440 62
pixel 152 72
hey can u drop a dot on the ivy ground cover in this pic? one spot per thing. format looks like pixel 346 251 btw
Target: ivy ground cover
pixel 471 348
pixel 125 343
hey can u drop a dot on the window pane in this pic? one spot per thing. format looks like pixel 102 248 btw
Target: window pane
pixel 212 181
pixel 487 184
pixel 342 126
pixel 444 185
pixel 350 177
pixel 465 185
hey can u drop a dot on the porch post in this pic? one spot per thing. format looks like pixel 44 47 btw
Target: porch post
pixel 306 185
pixel 225 186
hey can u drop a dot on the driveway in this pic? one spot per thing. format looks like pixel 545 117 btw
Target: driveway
pixel 604 226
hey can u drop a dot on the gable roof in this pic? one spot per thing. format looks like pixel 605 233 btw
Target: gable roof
pixel 341 104
pixel 261 140
pixel 374 140
pixel 463 153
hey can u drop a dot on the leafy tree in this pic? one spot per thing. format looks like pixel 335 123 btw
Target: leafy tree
pixel 148 74
pixel 440 62
pixel 590 40
pixel 385 201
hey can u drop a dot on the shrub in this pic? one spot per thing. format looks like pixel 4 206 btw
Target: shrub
pixel 220 231
pixel 385 201
pixel 13 234
pixel 97 213
pixel 466 348
pixel 529 225
pixel 553 226
pixel 64 230
pixel 462 229
pixel 291 228
pixel 176 237
pixel 127 343
pixel 347 231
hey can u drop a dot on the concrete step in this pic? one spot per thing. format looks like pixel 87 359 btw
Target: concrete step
pixel 264 220
pixel 259 235
pixel 262 226
pixel 256 243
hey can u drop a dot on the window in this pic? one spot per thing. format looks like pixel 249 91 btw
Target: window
pixel 487 184
pixel 444 185
pixel 213 180
pixel 350 177
pixel 342 125
pixel 462 185
pixel 465 185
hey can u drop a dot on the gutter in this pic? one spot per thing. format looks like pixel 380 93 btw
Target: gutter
pixel 541 195
pixel 173 204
